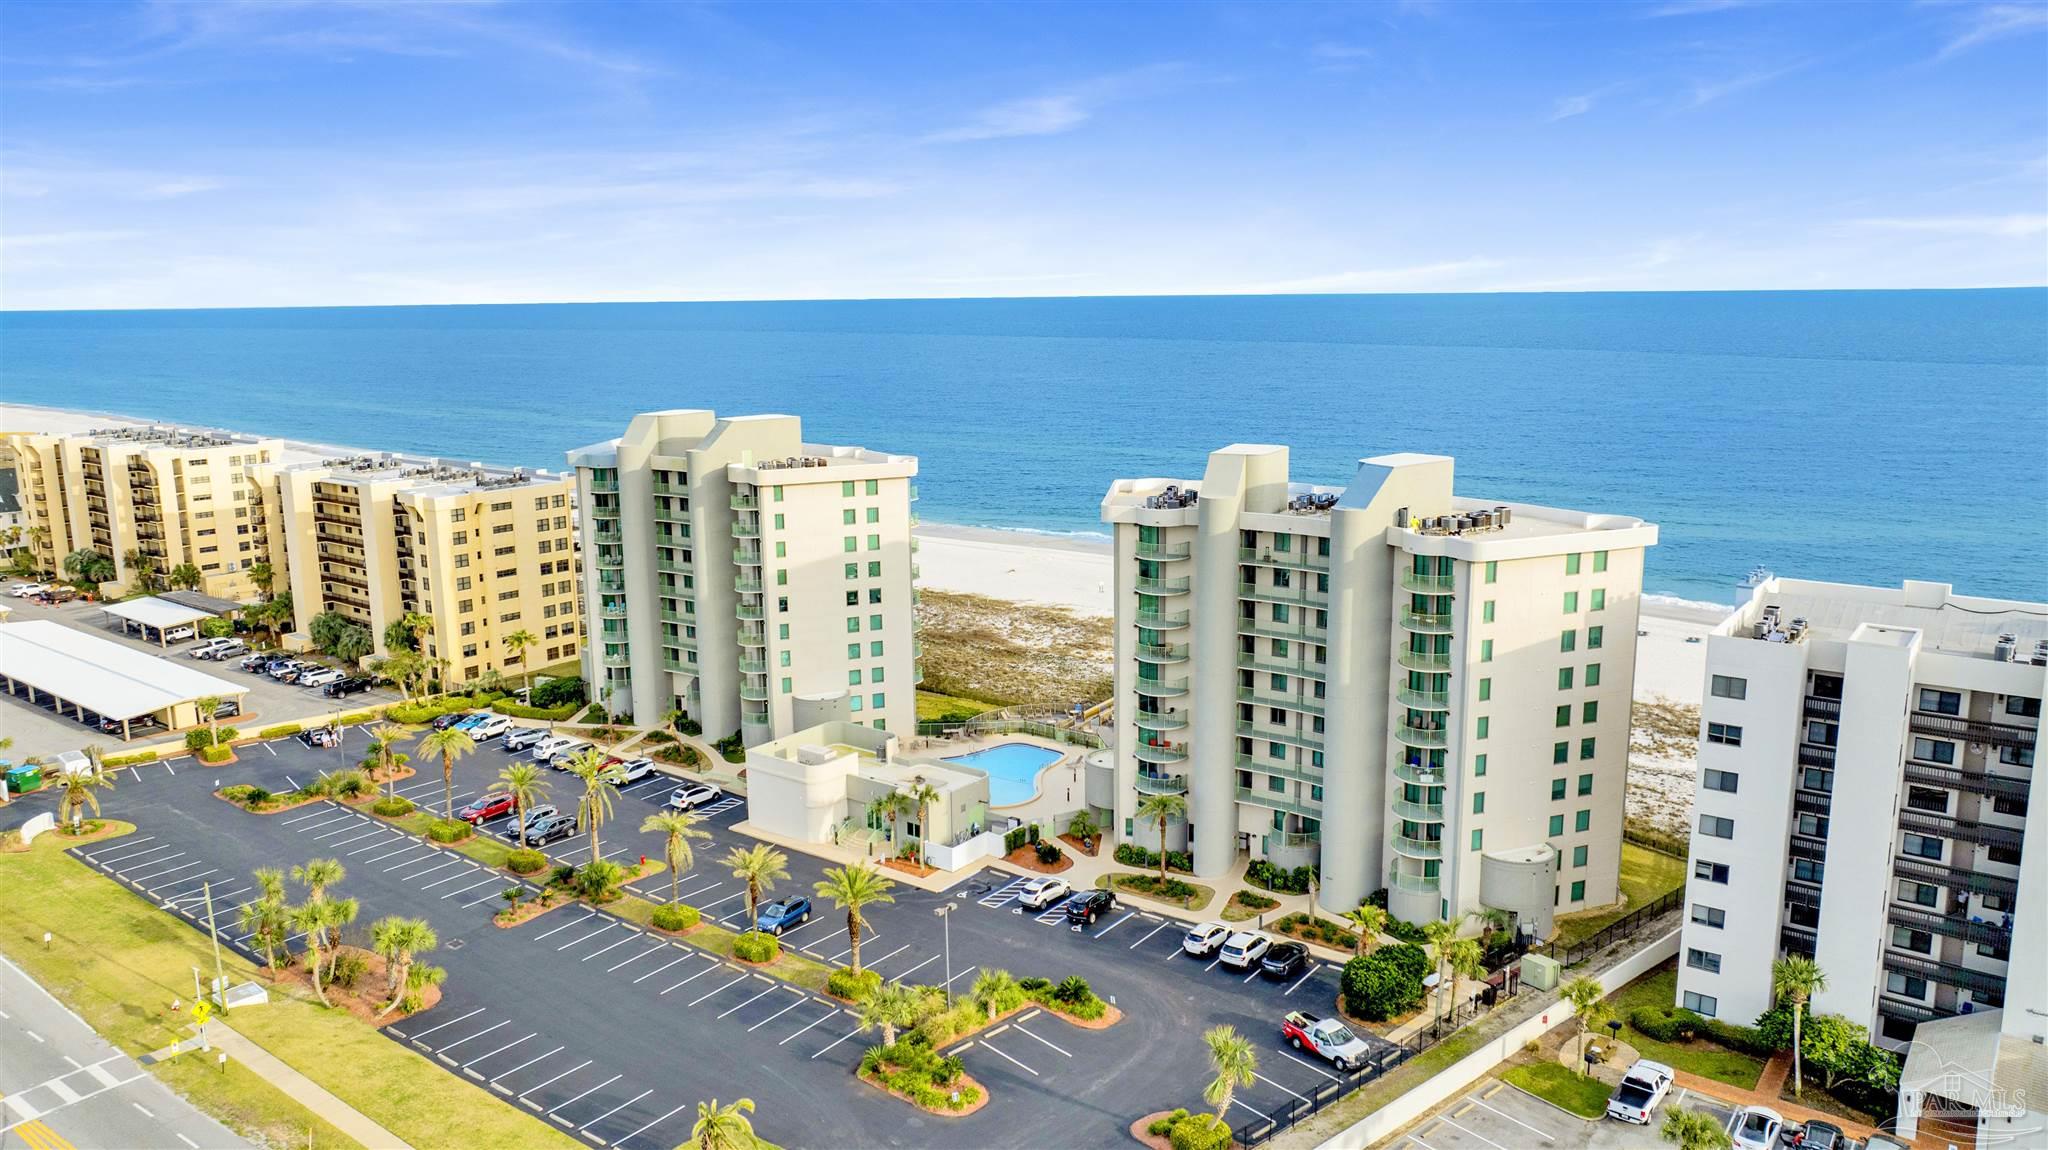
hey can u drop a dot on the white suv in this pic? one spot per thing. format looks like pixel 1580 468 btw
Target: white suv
pixel 551 746
pixel 321 678
pixel 1244 949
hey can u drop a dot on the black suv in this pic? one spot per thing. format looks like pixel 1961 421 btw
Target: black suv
pixel 1284 959
pixel 346 687
pixel 1089 905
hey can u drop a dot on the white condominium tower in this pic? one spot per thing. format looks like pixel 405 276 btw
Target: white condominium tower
pixel 1866 759
pixel 757 583
pixel 1413 690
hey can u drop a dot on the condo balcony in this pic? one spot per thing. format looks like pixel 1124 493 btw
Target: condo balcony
pixel 1419 812
pixel 1162 551
pixel 604 537
pixel 617 658
pixel 609 557
pixel 665 512
pixel 1160 720
pixel 752 635
pixel 1424 624
pixel 1298 560
pixel 611 582
pixel 1428 584
pixel 747 556
pixel 1416 848
pixel 1162 653
pixel 1425 660
pixel 1416 883
pixel 608 485
pixel 1279 666
pixel 753 692
pixel 1421 736
pixel 1303 772
pixel 1306 739
pixel 747 610
pixel 747 584
pixel 671 615
pixel 1274 699
pixel 1161 620
pixel 661 488
pixel 1162 784
pixel 675 564
pixel 1421 776
pixel 1424 700
pixel 1301 594
pixel 1955 727
pixel 744 529
pixel 753 665
pixel 673 661
pixel 1277 801
pixel 1161 688
pixel 745 503
pixel 1162 753
pixel 1163 586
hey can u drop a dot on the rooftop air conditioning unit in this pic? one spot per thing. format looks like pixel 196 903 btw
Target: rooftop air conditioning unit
pixel 2008 647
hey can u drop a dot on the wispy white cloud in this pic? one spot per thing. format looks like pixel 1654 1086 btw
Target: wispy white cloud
pixel 2016 225
pixel 1991 22
pixel 1055 112
pixel 1568 106
pixel 1708 91
pixel 172 189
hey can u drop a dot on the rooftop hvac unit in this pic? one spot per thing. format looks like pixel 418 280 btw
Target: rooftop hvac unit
pixel 2008 647
pixel 2040 653
pixel 1401 517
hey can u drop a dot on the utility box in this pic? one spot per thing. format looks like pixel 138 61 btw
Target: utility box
pixel 1540 972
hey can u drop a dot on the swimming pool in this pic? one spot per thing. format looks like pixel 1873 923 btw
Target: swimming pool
pixel 1012 770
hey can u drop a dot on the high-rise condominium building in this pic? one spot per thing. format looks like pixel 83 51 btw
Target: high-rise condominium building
pixel 756 583
pixel 1418 691
pixel 149 499
pixel 1866 764
pixel 485 552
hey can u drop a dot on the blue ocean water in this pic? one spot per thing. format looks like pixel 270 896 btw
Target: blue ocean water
pixel 1857 436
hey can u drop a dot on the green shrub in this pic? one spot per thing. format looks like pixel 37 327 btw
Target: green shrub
pixel 562 875
pixel 1049 854
pixel 197 738
pixel 566 691
pixel 1200 1132
pixel 844 983
pixel 1256 901
pixel 690 727
pixel 595 714
pixel 353 783
pixel 215 754
pixel 675 916
pixel 1072 988
pixel 238 793
pixel 598 880
pixel 135 759
pixel 755 946
pixel 1032 984
pixel 392 806
pixel 279 731
pixel 1406 931
pixel 349 966
pixel 521 711
pixel 1018 836
pixel 1385 983
pixel 1262 873
pixel 449 830
pixel 525 860
pixel 731 748
pixel 1163 1126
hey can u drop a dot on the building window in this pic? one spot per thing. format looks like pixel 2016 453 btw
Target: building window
pixel 1478 765
pixel 1564 714
pixel 1486 611
pixel 1941 702
pixel 1585 749
pixel 1578 857
pixel 1918 893
pixel 1726 734
pixel 1917 941
pixel 1478 802
pixel 875 649
pixel 1599 561
pixel 1921 846
pixel 1585 784
pixel 1710 871
pixel 1809 870
pixel 879 700
pixel 1486 650
pixel 1579 891
pixel 1556 825
pixel 1560 752
pixel 1557 789
pixel 1703 1004
pixel 2014 805
pixel 1571 602
pixel 1599 600
pixel 2022 706
pixel 1712 916
pixel 1589 711
pixel 1571 564
pixel 1719 780
pixel 1567 640
pixel 1485 690
pixel 1716 827
pixel 1728 687
pixel 875 488
pixel 1593 637
pixel 1582 820
pixel 1492 569
pixel 1484 724
pixel 1934 751
pixel 1905 985
pixel 1564 678
pixel 1702 960
pixel 1478 837
pixel 787 685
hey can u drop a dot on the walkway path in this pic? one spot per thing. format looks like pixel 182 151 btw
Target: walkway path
pixel 1768 1087
pixel 302 1089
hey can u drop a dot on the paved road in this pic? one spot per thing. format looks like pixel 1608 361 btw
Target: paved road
pixel 63 1086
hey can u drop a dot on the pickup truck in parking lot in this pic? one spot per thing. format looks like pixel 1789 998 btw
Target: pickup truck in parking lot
pixel 1639 1091
pixel 342 688
pixel 1326 1038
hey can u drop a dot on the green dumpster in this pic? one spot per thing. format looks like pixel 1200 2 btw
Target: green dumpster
pixel 25 778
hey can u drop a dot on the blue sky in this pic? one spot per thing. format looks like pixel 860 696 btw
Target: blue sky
pixel 230 154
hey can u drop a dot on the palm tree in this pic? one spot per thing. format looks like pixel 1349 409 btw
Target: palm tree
pixel 340 912
pixel 889 1006
pixel 1466 958
pixel 266 917
pixel 991 987
pixel 1796 979
pixel 206 705
pixel 677 828
pixel 185 576
pixel 1232 1058
pixel 759 866
pixel 142 565
pixel 1368 920
pixel 387 737
pixel 723 1127
pixel 527 784
pixel 1162 809
pixel 850 888
pixel 261 576
pixel 1438 936
pixel 450 744
pixel 79 784
pixel 600 783
pixel 891 805
pixel 316 876
pixel 1588 1002
pixel 1693 1130
pixel 922 795
pixel 515 646
pixel 400 941
pixel 311 919
pixel 1492 921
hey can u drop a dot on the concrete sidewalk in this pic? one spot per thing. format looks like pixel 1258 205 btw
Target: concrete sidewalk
pixel 302 1089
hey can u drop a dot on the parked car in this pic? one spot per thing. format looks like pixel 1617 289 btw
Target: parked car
pixel 1089 905
pixel 320 678
pixel 1244 948
pixel 227 709
pixel 561 759
pixel 210 648
pixel 550 746
pixel 1817 1134
pixel 549 829
pixel 258 661
pixel 320 736
pixel 452 718
pixel 1040 893
pixel 525 738
pixel 284 669
pixel 136 725
pixel 342 688
pixel 24 590
pixel 689 796
pixel 490 727
pixel 1326 1038
pixel 634 769
pixel 1284 959
pixel 535 815
pixel 486 808
pixel 178 634
pixel 1756 1128
pixel 1639 1091
pixel 783 914
pixel 1203 939
pixel 228 649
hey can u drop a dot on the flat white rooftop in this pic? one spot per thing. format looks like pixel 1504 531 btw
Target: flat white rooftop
pixel 153 612
pixel 1950 623
pixel 112 680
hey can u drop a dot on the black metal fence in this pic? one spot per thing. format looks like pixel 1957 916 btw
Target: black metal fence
pixel 1258 1130
pixel 1620 928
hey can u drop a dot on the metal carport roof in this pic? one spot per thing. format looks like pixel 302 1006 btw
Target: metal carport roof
pixel 153 612
pixel 112 680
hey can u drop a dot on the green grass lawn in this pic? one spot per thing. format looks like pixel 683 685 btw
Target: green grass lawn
pixel 933 707
pixel 1646 876
pixel 118 962
pixel 1701 1057
pixel 1577 1093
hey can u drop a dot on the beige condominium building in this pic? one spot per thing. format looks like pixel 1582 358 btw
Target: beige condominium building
pixel 757 583
pixel 485 552
pixel 1410 689
pixel 168 496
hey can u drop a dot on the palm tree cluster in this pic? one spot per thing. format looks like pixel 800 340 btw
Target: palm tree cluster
pixel 79 783
pixel 851 888
pixel 320 918
pixel 449 744
pixel 759 866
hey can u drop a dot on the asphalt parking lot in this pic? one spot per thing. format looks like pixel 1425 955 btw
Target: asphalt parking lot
pixel 39 730
pixel 1497 1116
pixel 615 1033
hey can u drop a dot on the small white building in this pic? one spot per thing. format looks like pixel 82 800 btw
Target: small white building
pixel 829 784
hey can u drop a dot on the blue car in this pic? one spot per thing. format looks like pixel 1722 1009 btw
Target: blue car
pixel 472 721
pixel 783 914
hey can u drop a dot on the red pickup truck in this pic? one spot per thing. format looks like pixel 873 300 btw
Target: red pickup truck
pixel 1327 1038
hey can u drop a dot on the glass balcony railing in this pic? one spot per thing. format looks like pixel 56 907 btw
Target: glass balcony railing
pixel 1162 653
pixel 1163 586
pixel 1162 688
pixel 1278 801
pixel 1272 699
pixel 746 556
pixel 604 486
pixel 1162 550
pixel 1424 700
pixel 1421 776
pixel 1266 556
pixel 742 529
pixel 1419 812
pixel 754 692
pixel 1417 848
pixel 1307 739
pixel 746 584
pixel 1162 784
pixel 1425 624
pixel 1157 721
pixel 1428 584
pixel 1161 753
pixel 747 610
pixel 1421 736
pixel 1161 620
pixel 1419 883
pixel 1425 660
pixel 746 503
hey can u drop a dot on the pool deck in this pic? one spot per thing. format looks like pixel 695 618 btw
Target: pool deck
pixel 1061 785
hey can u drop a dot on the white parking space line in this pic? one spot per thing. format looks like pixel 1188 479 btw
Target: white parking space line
pixel 799 1001
pixel 892 954
pixel 139 879
pixel 961 975
pixel 693 892
pixel 582 1096
pixel 614 1110
pixel 1445 1119
pixel 271 749
pixel 129 847
pixel 465 890
pixel 806 925
pixel 1119 922
pixel 378 845
pixel 1313 968
pixel 182 881
pixel 424 871
pixel 840 1039
pixel 1019 1028
pixel 423 1033
pixel 1517 1121
pixel 918 967
pixel 698 975
pixel 662 967
pixel 635 958
pixel 567 925
pixel 651 1125
pixel 556 1078
pixel 720 990
pixel 419 787
pixel 529 1062
pixel 318 812
pixel 478 1034
pixel 352 826
pixel 1147 938
pixel 629 938
pixel 450 878
pixel 749 1002
pixel 586 938
pixel 809 1025
pixel 1309 1065
pixel 498 1051
pixel 139 863
pixel 990 1047
pixel 406 847
pixel 358 838
pixel 334 816
pixel 1277 1086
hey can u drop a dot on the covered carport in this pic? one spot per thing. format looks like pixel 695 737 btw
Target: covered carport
pixel 157 617
pixel 85 676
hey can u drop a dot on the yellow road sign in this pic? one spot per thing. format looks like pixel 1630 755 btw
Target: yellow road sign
pixel 201 1011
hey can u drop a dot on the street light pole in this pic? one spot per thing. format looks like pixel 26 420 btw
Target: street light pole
pixel 945 914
